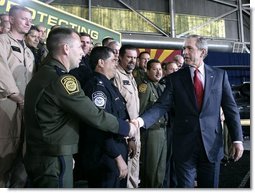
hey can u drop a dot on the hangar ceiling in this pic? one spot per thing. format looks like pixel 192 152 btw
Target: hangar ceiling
pixel 172 39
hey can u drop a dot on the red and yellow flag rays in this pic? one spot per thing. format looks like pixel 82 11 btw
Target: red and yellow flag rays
pixel 160 54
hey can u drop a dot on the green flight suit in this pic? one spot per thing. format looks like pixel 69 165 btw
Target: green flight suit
pixel 54 104
pixel 153 140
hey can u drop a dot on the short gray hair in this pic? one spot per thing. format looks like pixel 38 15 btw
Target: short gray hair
pixel 58 36
pixel 15 8
pixel 201 42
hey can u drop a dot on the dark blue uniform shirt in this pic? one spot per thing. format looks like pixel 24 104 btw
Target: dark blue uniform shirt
pixel 98 144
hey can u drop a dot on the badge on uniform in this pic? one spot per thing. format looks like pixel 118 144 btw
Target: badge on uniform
pixel 142 88
pixel 99 99
pixel 126 82
pixel 70 84
pixel 16 49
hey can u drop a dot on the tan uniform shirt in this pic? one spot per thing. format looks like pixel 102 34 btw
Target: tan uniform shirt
pixel 16 67
pixel 128 88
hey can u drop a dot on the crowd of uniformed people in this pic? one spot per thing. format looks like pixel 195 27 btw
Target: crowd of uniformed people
pixel 69 112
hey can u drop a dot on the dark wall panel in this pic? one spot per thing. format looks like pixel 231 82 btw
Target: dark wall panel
pixel 190 7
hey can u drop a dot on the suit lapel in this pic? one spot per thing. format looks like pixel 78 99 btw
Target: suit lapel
pixel 209 79
pixel 188 85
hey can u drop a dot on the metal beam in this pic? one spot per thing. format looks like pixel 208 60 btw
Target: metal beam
pixel 162 42
pixel 48 1
pixel 90 10
pixel 240 23
pixel 143 17
pixel 225 3
pixel 208 22
pixel 172 17
pixel 247 12
pixel 242 8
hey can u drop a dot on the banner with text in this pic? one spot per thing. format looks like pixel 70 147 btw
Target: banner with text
pixel 50 16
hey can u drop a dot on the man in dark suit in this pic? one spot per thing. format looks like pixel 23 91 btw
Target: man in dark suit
pixel 197 130
pixel 84 72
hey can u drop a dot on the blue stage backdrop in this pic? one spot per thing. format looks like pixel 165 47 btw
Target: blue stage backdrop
pixel 236 64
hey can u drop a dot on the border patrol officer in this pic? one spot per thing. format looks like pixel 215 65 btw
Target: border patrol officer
pixel 153 140
pixel 54 103
pixel 106 153
pixel 139 72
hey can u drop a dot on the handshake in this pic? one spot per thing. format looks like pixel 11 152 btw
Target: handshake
pixel 134 126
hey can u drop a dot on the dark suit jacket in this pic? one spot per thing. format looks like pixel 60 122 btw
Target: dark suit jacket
pixel 84 72
pixel 188 122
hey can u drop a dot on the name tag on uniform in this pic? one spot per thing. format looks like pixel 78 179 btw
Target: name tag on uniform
pixel 16 49
pixel 126 82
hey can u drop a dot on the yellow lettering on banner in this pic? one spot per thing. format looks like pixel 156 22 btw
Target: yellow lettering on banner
pixel 94 35
pixel 2 2
pixel 42 16
pixel 73 25
pixel 9 4
pixel 78 28
pixel 52 20
pixel 61 22
pixel 33 12
pixel 83 29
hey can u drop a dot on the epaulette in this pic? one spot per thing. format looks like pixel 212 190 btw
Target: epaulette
pixel 59 71
pixel 145 81
pixel 99 83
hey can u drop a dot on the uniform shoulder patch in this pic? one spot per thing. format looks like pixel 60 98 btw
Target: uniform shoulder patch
pixel 70 84
pixel 135 73
pixel 142 88
pixel 99 98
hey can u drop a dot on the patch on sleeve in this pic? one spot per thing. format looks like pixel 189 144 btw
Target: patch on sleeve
pixel 142 88
pixel 99 99
pixel 135 73
pixel 70 84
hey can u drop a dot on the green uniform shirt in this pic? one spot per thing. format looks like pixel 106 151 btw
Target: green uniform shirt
pixel 148 95
pixel 139 75
pixel 54 103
